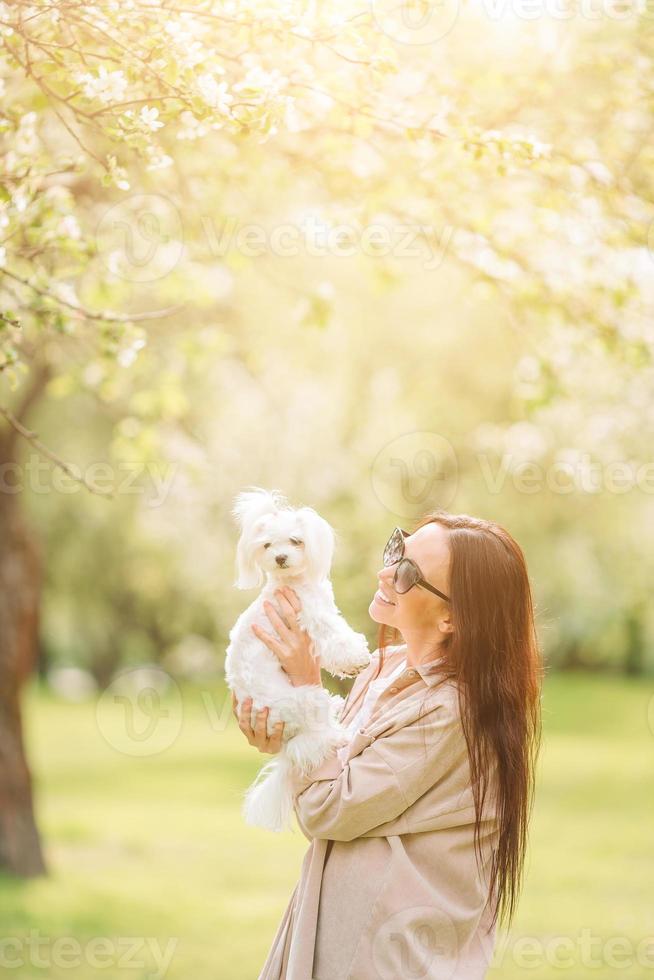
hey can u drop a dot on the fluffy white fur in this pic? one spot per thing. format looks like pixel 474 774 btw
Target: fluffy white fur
pixel 281 545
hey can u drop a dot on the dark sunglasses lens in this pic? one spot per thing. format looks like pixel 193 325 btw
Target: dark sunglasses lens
pixel 394 548
pixel 406 576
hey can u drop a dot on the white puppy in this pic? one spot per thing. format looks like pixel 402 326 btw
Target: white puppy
pixel 281 545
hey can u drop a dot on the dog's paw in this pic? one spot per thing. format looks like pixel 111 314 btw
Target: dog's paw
pixel 352 667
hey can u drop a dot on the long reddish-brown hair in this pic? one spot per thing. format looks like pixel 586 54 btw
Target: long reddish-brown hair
pixel 494 656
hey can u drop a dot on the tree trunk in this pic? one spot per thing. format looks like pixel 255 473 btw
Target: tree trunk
pixel 20 849
pixel 634 661
pixel 571 658
pixel 20 586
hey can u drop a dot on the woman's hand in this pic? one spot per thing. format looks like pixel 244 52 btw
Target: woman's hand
pixel 292 645
pixel 258 736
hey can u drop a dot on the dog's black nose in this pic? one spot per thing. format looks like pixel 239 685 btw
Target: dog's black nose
pixel 281 560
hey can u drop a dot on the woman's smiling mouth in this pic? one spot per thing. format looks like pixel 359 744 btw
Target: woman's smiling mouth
pixel 380 597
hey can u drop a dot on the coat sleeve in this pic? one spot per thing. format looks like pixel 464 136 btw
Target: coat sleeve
pixel 342 802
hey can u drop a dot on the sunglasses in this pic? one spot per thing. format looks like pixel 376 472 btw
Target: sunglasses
pixel 407 573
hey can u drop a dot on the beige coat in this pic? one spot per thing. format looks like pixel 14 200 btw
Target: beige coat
pixel 389 887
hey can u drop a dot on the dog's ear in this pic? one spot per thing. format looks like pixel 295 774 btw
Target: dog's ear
pixel 255 502
pixel 319 543
pixel 249 506
pixel 248 573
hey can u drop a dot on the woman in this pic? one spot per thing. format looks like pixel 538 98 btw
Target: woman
pixel 418 826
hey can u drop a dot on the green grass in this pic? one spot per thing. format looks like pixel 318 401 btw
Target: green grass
pixel 153 847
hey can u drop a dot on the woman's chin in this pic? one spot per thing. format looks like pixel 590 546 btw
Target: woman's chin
pixel 380 615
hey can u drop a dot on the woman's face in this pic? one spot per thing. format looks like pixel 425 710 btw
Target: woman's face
pixel 418 609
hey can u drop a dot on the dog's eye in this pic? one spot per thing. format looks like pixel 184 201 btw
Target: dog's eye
pixel 295 541
pixel 267 544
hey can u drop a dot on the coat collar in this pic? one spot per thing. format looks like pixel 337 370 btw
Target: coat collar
pixel 398 701
pixel 425 674
pixel 429 671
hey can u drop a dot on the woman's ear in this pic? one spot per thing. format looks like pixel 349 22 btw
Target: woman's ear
pixel 319 543
pixel 445 625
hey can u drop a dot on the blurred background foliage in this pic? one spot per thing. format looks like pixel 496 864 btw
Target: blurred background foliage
pixel 382 263
pixel 507 160
pixel 381 257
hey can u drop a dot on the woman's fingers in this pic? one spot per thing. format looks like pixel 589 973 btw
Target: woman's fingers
pixel 260 727
pixel 263 741
pixel 271 641
pixel 288 610
pixel 275 740
pixel 291 595
pixel 244 719
pixel 258 736
pixel 280 624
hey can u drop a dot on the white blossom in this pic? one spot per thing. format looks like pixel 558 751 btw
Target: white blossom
pixel 190 128
pixel 108 86
pixel 192 53
pixel 215 94
pixel 272 82
pixel 148 116
pixel 158 159
pixel 19 200
pixel 127 355
pixel 66 292
pixel 69 226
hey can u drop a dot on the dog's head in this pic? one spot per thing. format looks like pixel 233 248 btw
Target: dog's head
pixel 288 543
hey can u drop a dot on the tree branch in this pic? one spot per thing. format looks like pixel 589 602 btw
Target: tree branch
pixel 33 438
pixel 88 314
